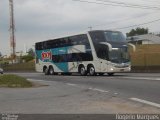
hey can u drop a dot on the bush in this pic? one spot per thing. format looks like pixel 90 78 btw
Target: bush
pixel 27 58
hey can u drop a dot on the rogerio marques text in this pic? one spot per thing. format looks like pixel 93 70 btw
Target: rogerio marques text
pixel 137 116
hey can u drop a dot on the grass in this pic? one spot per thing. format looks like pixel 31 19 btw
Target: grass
pixel 28 66
pixel 14 81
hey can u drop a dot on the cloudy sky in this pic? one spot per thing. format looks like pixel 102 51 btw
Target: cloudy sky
pixel 38 20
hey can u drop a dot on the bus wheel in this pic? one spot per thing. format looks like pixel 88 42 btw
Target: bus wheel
pixel 82 71
pixel 46 71
pixel 91 70
pixel 110 74
pixel 51 70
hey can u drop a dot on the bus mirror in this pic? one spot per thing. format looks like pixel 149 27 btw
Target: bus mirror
pixel 108 45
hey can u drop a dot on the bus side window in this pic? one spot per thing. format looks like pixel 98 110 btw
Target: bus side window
pixel 74 40
pixel 40 46
pixel 102 52
pixel 61 42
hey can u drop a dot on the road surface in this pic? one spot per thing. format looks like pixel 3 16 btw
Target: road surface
pixel 122 93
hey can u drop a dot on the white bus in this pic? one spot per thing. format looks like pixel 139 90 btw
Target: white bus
pixel 94 52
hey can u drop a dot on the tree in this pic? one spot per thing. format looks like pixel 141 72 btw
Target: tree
pixel 138 31
pixel 27 58
pixel 31 52
pixel 30 55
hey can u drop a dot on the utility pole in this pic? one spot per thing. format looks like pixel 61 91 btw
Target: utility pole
pixel 12 30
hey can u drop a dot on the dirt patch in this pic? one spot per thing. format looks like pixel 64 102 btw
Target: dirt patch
pixel 36 84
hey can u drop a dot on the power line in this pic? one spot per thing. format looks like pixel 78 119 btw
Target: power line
pixel 139 24
pixel 120 5
pixel 123 3
pixel 121 20
pixel 151 1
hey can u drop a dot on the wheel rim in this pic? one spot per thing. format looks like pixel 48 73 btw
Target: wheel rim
pixel 83 71
pixel 46 71
pixel 92 71
pixel 51 71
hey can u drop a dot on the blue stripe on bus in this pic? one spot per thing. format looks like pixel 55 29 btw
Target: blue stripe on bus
pixel 57 51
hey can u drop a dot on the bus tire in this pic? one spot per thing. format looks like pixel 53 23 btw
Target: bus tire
pixel 46 71
pixel 91 70
pixel 51 70
pixel 82 70
pixel 110 74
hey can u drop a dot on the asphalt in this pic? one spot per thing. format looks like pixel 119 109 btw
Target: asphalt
pixel 141 85
pixel 84 94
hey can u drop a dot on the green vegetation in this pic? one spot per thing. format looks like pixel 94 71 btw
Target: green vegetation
pixel 28 66
pixel 14 81
pixel 137 31
pixel 27 58
pixel 22 62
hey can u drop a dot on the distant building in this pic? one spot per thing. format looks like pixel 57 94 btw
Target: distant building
pixel 144 39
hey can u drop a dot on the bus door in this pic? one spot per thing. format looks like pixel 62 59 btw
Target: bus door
pixel 103 55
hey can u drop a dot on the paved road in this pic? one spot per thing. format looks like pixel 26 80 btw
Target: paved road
pixel 92 94
pixel 144 86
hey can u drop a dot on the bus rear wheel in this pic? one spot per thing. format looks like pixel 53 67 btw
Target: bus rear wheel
pixel 51 70
pixel 91 70
pixel 46 71
pixel 82 70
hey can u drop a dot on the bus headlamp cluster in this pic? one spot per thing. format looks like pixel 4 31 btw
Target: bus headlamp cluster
pixel 111 69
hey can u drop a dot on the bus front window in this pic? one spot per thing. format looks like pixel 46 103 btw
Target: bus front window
pixel 119 55
pixel 114 36
pixel 119 52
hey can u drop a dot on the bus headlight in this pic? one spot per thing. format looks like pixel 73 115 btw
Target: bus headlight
pixel 111 69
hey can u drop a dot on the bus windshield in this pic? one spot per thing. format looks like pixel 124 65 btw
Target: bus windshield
pixel 119 55
pixel 119 52
pixel 114 36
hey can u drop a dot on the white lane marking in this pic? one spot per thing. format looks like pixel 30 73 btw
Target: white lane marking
pixel 99 90
pixel 142 78
pixel 145 102
pixel 94 89
pixel 71 84
pixel 35 80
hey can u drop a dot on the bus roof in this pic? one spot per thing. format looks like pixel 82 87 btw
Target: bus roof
pixel 69 35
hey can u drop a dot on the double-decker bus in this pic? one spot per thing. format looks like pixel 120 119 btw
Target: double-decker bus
pixel 94 52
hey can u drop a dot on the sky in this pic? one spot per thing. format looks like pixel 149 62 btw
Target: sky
pixel 39 20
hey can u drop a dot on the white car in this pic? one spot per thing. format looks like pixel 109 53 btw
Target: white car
pixel 1 71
